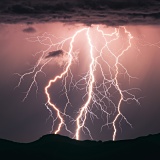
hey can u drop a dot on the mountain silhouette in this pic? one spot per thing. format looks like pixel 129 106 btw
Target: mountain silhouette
pixel 57 147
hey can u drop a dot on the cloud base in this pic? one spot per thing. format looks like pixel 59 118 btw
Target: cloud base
pixel 110 12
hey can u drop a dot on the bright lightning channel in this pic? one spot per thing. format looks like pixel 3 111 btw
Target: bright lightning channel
pixel 70 57
pixel 96 94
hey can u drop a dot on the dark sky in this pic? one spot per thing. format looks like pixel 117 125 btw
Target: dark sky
pixel 26 121
pixel 110 12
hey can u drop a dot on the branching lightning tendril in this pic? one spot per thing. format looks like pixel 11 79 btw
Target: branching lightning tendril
pixel 97 95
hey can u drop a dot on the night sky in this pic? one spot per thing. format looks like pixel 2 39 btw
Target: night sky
pixel 20 21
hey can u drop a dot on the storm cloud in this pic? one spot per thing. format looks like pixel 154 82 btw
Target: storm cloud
pixel 108 12
pixel 29 30
pixel 54 53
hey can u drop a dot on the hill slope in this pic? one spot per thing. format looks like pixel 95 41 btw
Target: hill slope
pixel 60 147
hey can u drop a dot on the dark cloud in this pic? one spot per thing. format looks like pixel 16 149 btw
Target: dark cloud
pixel 54 53
pixel 109 12
pixel 29 30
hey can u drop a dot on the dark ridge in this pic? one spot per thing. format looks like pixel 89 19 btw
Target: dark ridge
pixel 60 147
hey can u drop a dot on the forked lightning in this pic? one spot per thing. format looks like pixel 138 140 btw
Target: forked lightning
pixel 104 60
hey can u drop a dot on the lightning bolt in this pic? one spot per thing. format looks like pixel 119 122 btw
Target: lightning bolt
pixel 117 83
pixel 105 63
pixel 70 57
pixel 83 111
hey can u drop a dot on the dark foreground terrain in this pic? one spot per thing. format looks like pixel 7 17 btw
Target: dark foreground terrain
pixel 60 147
